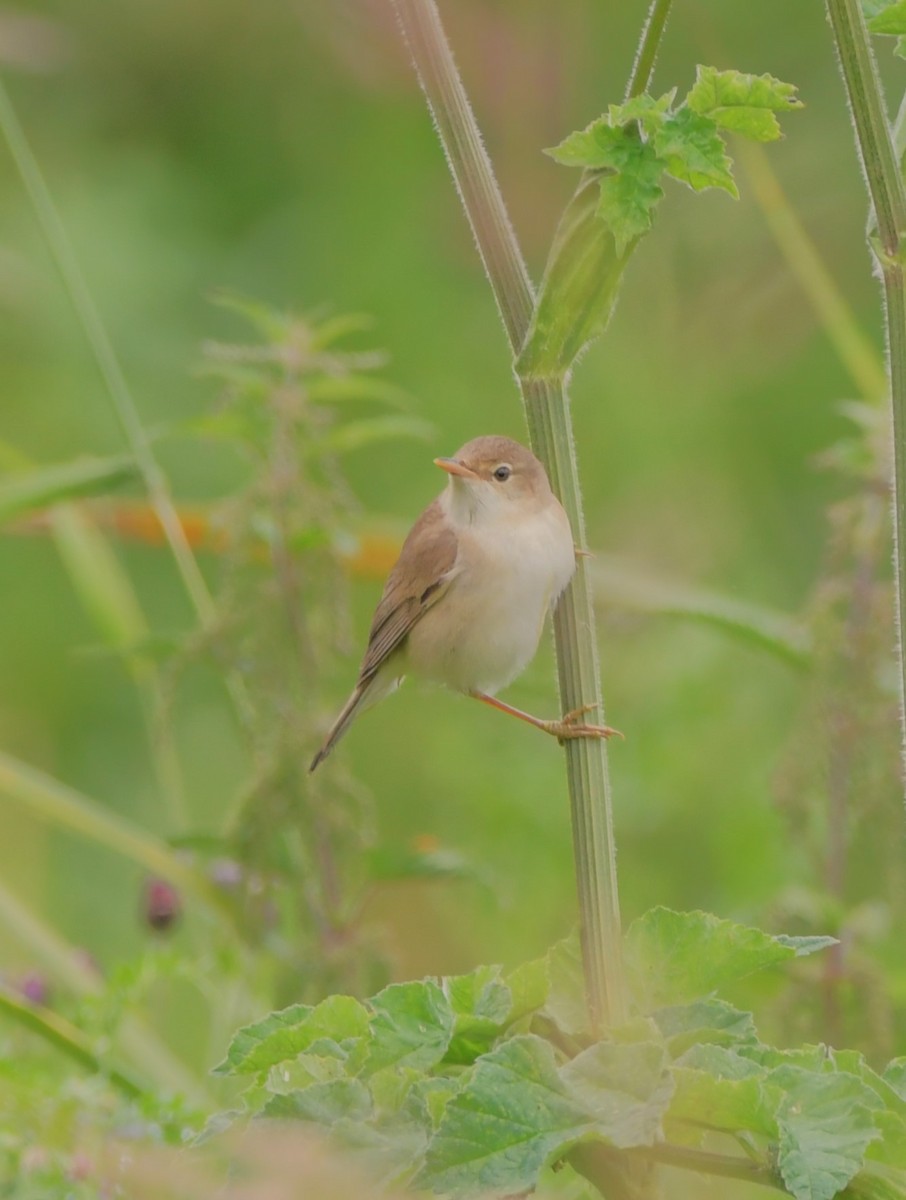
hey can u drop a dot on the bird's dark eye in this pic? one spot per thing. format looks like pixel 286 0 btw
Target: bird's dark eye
pixel 503 473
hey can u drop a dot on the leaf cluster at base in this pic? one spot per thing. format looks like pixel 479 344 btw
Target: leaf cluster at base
pixel 474 1085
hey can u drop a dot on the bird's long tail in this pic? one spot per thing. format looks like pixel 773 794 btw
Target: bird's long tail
pixel 362 698
pixel 340 725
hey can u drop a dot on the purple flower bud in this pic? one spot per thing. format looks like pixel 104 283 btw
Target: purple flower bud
pixel 35 988
pixel 162 906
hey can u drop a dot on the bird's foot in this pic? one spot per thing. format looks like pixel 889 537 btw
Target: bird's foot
pixel 571 726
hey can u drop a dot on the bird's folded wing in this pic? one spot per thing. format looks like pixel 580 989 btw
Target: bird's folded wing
pixel 422 574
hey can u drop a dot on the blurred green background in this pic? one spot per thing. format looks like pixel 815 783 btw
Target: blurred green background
pixel 283 150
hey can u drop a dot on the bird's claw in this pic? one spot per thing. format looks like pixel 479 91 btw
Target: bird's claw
pixel 568 727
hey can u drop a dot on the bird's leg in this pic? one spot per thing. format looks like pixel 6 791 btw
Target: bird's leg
pixel 563 730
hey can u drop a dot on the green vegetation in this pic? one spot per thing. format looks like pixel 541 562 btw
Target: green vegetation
pixel 197 503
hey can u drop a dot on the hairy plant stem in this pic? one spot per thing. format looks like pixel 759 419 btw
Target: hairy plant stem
pixel 652 32
pixel 550 432
pixel 546 404
pixel 888 197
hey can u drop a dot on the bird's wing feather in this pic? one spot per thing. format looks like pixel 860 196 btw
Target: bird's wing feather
pixel 422 574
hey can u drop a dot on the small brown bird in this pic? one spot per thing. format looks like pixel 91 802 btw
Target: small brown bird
pixel 465 603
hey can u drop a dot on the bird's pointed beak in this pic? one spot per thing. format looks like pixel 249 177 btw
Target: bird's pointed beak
pixel 454 467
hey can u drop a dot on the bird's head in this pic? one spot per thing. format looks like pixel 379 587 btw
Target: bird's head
pixel 494 475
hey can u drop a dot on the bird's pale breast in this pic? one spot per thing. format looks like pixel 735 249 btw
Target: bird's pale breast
pixel 485 629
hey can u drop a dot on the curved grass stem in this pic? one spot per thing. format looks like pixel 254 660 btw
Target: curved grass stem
pixel 111 372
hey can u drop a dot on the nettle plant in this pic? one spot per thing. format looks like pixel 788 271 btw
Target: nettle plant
pixel 610 1056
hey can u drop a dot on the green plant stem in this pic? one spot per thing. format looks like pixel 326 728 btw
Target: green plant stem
pixel 653 31
pixel 605 1167
pixel 106 592
pixel 550 432
pixel 469 165
pixel 857 353
pixel 143 1047
pixel 578 671
pixel 115 381
pixel 65 808
pixel 888 197
pixel 66 1037
pixel 727 1166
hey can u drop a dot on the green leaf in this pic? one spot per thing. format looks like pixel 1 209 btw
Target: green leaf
pixel 887 18
pixel 330 389
pixel 353 435
pixel 285 1034
pixel 435 1093
pixel 566 1003
pixel 673 957
pixel 825 1127
pixel 391 1088
pixel 629 186
pixel 411 1027
pixel 510 1119
pixel 694 152
pixel 626 1088
pixel 704 1021
pixel 323 1103
pixel 578 290
pixel 630 195
pixel 529 987
pixel 41 487
pixel 649 113
pixel 101 582
pixel 591 147
pixel 271 324
pixel 890 1148
pixel 596 145
pixel 745 104
pixel 481 1003
pixel 622 584
pixel 895 1076
pixel 717 1089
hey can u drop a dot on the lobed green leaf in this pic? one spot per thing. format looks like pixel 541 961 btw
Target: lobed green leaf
pixel 825 1124
pixel 323 1103
pixel 513 1115
pixel 895 1076
pixel 745 104
pixel 694 152
pixel 674 957
pixel 482 1004
pixel 284 1035
pixel 885 17
pixel 707 1022
pixel 717 1089
pixel 566 1004
pixel 591 147
pixel 625 1088
pixel 412 1026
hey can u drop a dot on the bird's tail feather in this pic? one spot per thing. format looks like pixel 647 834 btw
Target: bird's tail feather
pixel 364 696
